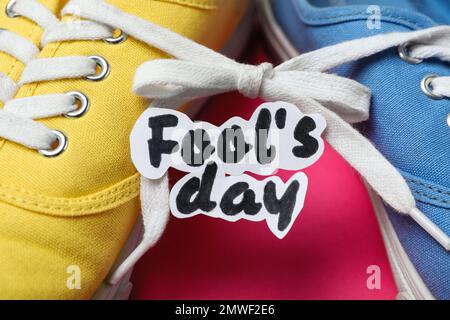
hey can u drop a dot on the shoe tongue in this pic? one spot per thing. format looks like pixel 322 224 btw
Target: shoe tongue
pixel 26 28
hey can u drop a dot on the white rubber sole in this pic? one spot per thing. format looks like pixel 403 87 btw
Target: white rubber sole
pixel 122 290
pixel 408 280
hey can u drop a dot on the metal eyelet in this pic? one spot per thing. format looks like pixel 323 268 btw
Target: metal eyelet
pixel 83 105
pixel 62 141
pixel 9 10
pixel 403 52
pixel 427 89
pixel 104 69
pixel 118 39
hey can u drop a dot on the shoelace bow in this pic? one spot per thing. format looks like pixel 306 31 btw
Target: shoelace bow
pixel 201 72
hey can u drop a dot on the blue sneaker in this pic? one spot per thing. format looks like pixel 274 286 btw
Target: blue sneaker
pixel 408 73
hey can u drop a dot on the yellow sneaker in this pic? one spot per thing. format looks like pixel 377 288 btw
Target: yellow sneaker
pixel 69 194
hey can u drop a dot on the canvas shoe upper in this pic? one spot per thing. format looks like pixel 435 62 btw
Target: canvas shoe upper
pixel 408 126
pixel 73 209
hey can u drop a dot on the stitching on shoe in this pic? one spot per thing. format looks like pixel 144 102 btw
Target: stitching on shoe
pixel 365 15
pixel 429 187
pixel 438 199
pixel 202 4
pixel 356 15
pixel 87 205
pixel 418 186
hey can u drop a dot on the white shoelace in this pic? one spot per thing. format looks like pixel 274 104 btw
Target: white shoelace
pixel 201 72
